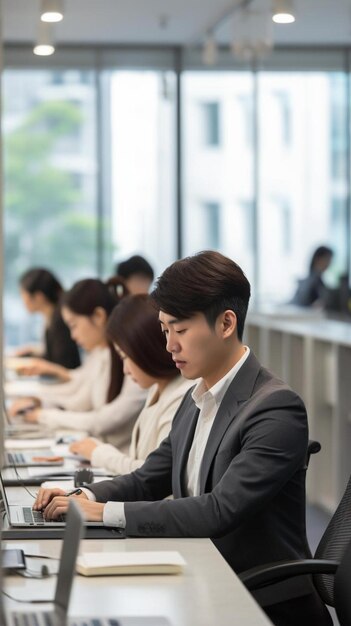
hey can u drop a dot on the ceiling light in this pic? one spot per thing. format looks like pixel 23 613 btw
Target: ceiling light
pixel 51 10
pixel 283 12
pixel 44 45
pixel 210 51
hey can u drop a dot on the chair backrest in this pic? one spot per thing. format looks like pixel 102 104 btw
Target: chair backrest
pixel 342 589
pixel 333 544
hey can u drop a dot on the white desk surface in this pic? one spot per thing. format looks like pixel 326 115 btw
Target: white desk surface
pixel 208 593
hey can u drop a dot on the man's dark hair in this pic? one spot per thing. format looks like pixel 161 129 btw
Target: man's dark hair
pixel 207 283
pixel 135 265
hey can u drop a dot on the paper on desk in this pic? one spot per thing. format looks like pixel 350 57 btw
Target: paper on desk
pixel 28 444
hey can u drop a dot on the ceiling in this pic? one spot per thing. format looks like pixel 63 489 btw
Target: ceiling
pixel 163 22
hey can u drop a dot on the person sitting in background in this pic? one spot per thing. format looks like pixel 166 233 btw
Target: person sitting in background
pixel 97 398
pixel 41 291
pixel 135 331
pixel 311 290
pixel 137 274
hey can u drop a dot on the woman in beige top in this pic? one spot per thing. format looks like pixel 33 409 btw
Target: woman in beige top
pixel 136 333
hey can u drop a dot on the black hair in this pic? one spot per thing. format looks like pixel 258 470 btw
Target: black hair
pixel 319 253
pixel 208 283
pixel 135 265
pixel 39 279
pixel 83 298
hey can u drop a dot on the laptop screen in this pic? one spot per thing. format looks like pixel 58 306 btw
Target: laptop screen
pixel 70 547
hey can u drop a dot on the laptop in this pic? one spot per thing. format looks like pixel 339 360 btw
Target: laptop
pixel 43 457
pixel 57 616
pixel 23 516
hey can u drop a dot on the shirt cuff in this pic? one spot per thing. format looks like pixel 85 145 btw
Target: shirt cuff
pixel 89 494
pixel 114 515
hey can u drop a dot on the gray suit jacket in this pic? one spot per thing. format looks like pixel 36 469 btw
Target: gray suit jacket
pixel 252 480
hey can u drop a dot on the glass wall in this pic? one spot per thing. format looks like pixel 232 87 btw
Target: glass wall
pixel 265 158
pixel 142 131
pixel 90 160
pixel 218 152
pixel 50 180
pixel 302 191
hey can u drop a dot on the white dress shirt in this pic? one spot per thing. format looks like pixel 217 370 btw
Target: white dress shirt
pixel 208 401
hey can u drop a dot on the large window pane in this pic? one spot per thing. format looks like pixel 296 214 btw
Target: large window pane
pixel 50 181
pixel 302 177
pixel 143 165
pixel 218 164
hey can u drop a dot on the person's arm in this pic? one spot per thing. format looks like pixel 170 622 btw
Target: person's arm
pixel 273 449
pixel 119 414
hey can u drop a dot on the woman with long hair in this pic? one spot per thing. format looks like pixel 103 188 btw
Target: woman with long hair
pixel 41 292
pixel 136 334
pixel 98 398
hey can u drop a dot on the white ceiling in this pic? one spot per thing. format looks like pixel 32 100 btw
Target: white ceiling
pixel 170 21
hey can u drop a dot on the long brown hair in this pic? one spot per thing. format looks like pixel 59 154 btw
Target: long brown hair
pixel 83 298
pixel 135 327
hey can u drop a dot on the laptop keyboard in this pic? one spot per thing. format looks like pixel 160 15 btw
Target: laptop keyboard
pixel 50 619
pixel 15 458
pixel 34 619
pixel 36 517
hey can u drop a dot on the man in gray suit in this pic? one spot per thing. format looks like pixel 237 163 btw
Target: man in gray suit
pixel 235 457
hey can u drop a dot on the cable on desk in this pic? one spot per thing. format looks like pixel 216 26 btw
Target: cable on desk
pixel 39 601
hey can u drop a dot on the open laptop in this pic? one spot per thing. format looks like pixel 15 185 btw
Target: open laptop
pixel 58 615
pixel 23 516
pixel 32 458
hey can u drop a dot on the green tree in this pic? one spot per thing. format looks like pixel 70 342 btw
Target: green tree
pixel 44 223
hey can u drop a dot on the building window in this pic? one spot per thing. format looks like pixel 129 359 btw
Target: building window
pixel 211 123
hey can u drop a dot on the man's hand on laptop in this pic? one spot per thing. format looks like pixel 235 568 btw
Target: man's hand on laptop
pixel 54 503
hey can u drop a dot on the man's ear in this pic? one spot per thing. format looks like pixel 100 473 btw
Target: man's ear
pixel 99 316
pixel 228 323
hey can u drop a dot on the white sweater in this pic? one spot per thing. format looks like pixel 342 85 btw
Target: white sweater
pixel 151 427
pixel 113 421
pixel 87 388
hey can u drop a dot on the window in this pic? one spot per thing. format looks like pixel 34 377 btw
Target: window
pixel 301 192
pixel 211 130
pixel 218 183
pixel 49 180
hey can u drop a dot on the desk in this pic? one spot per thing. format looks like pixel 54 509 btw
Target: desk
pixel 208 593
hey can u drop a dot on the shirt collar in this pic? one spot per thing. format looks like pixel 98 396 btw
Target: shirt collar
pixel 216 393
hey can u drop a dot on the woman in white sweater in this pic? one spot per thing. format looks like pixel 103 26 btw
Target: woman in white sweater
pixel 97 398
pixel 135 330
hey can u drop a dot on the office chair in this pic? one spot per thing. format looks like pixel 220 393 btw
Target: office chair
pixel 342 588
pixel 332 548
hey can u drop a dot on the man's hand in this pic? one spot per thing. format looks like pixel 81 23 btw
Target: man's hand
pixel 93 511
pixel 44 496
pixel 84 447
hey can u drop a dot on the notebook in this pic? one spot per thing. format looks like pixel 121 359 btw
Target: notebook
pixel 127 563
pixel 57 616
pixel 19 515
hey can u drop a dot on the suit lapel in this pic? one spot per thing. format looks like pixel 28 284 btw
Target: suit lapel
pixel 238 391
